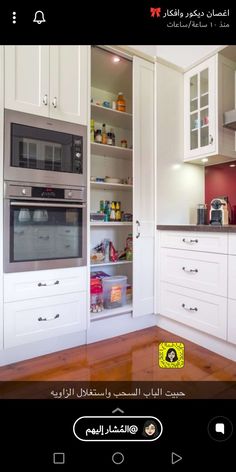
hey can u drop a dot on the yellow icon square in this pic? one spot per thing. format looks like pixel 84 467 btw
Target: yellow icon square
pixel 171 355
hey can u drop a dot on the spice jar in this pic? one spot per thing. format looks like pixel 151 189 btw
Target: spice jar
pixel 120 102
pixel 124 143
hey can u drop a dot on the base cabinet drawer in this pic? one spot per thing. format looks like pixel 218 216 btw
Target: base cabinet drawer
pixel 232 321
pixel 33 320
pixel 199 310
pixel 44 283
pixel 196 241
pixel 198 270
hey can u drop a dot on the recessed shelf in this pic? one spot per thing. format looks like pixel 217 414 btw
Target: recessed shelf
pixel 110 263
pixel 109 186
pixel 111 151
pixel 116 118
pixel 111 223
pixel 128 308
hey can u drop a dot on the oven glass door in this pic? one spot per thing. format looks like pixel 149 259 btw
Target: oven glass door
pixel 45 231
pixel 48 150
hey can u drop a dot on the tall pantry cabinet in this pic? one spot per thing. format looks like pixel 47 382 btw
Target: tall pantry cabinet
pixel 131 168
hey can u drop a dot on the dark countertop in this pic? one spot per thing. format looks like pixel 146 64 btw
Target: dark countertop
pixel 205 228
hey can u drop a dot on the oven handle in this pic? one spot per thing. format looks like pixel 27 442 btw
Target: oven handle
pixel 51 205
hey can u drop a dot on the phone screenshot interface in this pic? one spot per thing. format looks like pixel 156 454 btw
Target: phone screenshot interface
pixel 118 241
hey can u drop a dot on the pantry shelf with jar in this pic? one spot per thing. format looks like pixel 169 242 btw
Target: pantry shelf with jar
pixel 111 187
pixel 122 192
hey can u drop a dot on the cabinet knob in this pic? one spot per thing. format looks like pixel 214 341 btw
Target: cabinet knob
pixel 45 100
pixel 23 191
pixel 211 139
pixel 54 102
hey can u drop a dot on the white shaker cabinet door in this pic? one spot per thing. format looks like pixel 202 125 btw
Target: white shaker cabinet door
pixel 144 195
pixel 27 79
pixel 69 83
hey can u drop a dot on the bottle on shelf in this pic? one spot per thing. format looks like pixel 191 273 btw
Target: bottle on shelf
pixel 129 247
pixel 120 102
pixel 98 136
pixel 113 212
pixel 107 210
pixel 104 134
pixel 118 212
pixel 92 131
pixel 113 137
pixel 109 139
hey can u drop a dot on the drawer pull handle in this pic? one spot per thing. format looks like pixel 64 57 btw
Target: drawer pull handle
pixel 49 319
pixel 189 308
pixel 42 284
pixel 189 241
pixel 190 270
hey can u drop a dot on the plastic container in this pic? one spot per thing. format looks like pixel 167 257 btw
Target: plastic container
pixel 114 291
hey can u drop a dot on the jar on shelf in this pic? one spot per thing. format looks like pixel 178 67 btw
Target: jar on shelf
pixel 120 102
pixel 96 297
pixel 124 143
pixel 98 136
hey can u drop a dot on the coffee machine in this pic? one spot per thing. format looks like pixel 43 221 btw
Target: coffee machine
pixel 219 214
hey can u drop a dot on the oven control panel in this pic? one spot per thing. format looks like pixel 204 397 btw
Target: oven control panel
pixel 13 190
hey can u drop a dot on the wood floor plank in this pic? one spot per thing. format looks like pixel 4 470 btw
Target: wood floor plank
pixel 132 356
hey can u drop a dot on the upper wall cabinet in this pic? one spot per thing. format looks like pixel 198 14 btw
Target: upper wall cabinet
pixel 48 81
pixel 209 91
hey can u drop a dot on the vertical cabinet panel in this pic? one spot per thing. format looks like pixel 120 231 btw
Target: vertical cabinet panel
pixel 1 193
pixel 68 83
pixel 27 79
pixel 143 109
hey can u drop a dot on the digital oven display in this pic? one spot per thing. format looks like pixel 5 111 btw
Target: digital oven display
pixel 47 192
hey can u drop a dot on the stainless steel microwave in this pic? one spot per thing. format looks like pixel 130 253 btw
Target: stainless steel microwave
pixel 39 149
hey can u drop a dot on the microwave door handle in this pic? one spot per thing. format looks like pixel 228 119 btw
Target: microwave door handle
pixel 47 205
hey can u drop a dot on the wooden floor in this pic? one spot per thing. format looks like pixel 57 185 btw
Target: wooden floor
pixel 132 356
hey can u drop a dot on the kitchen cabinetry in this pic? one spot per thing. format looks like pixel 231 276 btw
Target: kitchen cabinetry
pixel 231 290
pixel 193 283
pixel 47 80
pixel 44 304
pixel 1 187
pixel 144 194
pixel 209 91
pixel 133 166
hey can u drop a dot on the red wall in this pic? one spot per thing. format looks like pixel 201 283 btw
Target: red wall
pixel 221 180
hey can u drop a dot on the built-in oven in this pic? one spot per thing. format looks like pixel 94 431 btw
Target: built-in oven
pixel 44 227
pixel 39 149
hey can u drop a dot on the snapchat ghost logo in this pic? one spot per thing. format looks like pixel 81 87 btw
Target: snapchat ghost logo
pixel 171 355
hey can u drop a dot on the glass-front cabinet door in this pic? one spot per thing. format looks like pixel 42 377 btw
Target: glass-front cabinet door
pixel 200 110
